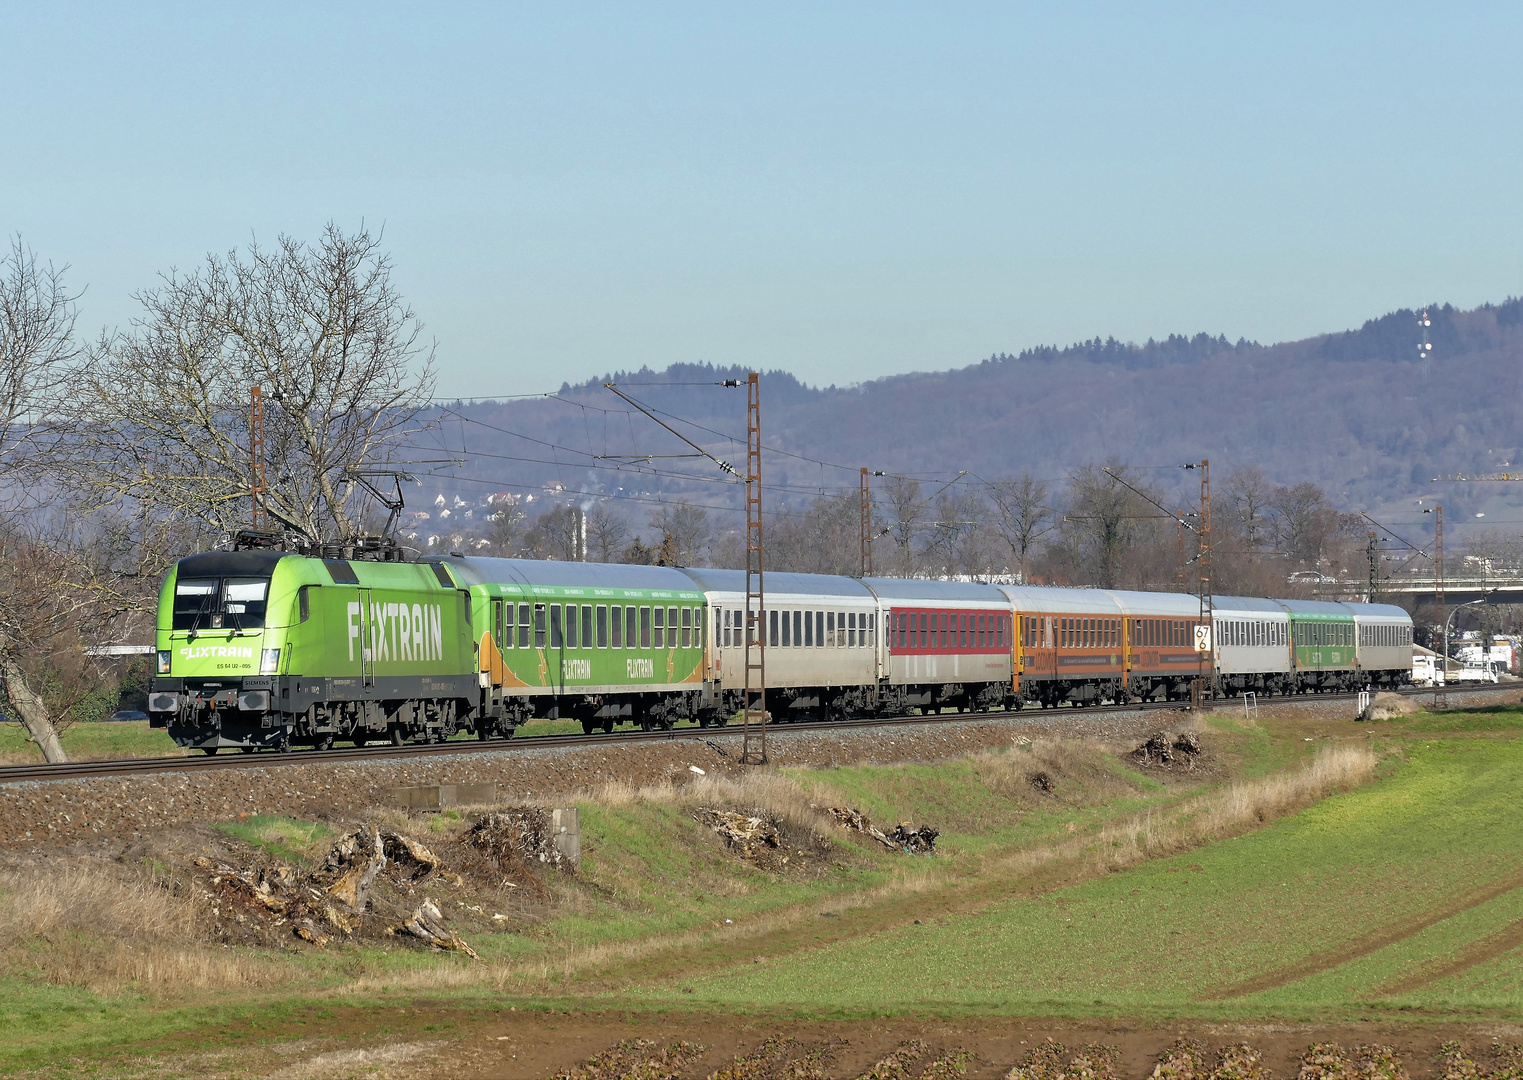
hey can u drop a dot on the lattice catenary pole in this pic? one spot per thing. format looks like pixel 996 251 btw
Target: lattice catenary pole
pixel 1207 655
pixel 754 718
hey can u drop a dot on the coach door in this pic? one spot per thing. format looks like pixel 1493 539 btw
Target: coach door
pixel 367 641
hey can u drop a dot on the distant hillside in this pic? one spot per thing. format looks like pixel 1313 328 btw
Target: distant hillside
pixel 1354 412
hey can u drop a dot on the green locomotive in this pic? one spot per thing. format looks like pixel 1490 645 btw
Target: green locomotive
pixel 262 648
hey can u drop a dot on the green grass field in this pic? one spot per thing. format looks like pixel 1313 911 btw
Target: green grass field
pixel 1399 899
pixel 91 742
pixel 1366 900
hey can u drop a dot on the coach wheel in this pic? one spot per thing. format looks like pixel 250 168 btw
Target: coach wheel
pixel 284 746
pixel 324 741
pixel 359 740
pixel 396 735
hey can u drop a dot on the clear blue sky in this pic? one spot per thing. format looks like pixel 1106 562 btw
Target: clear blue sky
pixel 840 190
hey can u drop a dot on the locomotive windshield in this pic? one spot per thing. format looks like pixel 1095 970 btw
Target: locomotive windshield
pixel 233 603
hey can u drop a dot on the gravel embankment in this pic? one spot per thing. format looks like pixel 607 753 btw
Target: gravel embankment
pixel 66 811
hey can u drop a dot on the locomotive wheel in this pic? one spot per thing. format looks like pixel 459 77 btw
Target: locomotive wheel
pixel 247 749
pixel 396 736
pixel 210 751
pixel 284 746
pixel 359 740
pixel 324 741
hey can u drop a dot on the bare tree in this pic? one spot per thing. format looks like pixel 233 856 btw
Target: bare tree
pixel 901 497
pixel 558 533
pixel 162 410
pixel 1021 515
pixel 1304 519
pixel 953 536
pixel 685 532
pixel 1105 522
pixel 37 348
pixel 607 531
pixel 823 537
pixel 506 524
pixel 1248 496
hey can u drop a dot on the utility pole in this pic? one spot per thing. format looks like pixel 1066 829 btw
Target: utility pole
pixel 1441 689
pixel 867 524
pixel 754 717
pixel 1372 552
pixel 1205 626
pixel 256 457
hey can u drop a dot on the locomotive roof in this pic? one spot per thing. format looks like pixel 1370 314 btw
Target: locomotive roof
pixel 481 570
pixel 711 580
pixel 257 563
pixel 923 589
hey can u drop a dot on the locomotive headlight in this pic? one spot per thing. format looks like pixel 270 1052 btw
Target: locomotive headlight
pixel 163 661
pixel 269 662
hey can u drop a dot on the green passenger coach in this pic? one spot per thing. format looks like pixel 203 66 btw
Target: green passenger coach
pixel 1323 643
pixel 598 643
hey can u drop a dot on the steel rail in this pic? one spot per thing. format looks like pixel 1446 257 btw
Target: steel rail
pixel 11 774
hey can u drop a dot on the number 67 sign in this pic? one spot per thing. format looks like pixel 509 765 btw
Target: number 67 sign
pixel 1202 639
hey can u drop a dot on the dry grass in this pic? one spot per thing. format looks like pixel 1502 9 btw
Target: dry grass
pixel 1080 773
pixel 767 790
pixel 1153 834
pixel 78 926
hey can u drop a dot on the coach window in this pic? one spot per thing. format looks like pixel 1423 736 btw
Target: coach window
pixel 644 628
pixel 658 636
pixel 497 622
pixel 539 626
pixel 557 634
pixel 603 626
pixel 772 627
pixel 571 623
pixel 798 629
pixel 524 621
pixel 616 619
pixel 687 628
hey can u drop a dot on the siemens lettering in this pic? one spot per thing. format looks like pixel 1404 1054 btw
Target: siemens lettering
pixel 396 632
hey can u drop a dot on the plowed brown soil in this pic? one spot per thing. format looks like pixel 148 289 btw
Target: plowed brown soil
pixel 531 1045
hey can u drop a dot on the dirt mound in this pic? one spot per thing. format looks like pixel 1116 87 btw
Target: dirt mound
pixel 637 1058
pixel 1328 1061
pixel 782 1057
pixel 1388 706
pixel 905 837
pixel 766 840
pixel 254 903
pixel 1050 1060
pixel 1181 750
pixel 521 833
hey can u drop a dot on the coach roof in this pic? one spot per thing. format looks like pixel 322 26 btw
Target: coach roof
pixel 475 570
pixel 947 592
pixel 734 581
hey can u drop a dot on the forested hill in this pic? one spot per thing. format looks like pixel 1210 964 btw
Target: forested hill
pixel 1356 412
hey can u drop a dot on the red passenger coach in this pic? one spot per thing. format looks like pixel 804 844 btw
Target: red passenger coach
pixel 948 645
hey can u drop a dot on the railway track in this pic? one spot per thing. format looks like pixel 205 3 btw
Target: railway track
pixel 11 774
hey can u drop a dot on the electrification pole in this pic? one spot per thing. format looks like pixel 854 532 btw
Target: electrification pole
pixel 1441 688
pixel 754 718
pixel 867 527
pixel 1205 627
